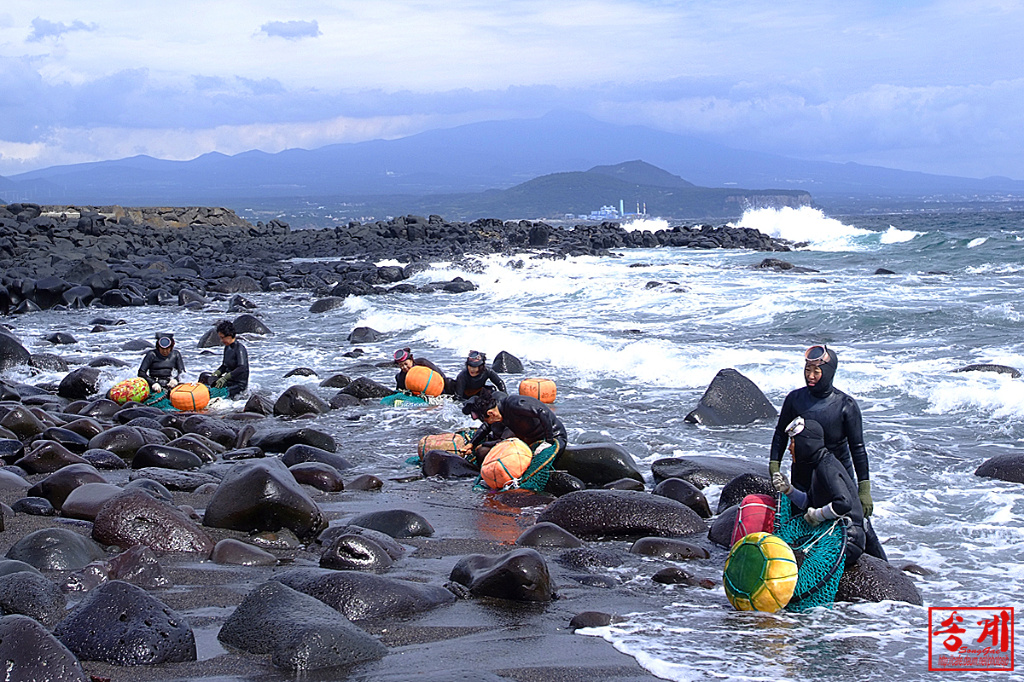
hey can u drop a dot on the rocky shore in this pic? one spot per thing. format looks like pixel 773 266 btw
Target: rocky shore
pixel 258 544
pixel 115 257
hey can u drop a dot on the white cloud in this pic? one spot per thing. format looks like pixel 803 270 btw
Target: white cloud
pixel 860 80
pixel 291 30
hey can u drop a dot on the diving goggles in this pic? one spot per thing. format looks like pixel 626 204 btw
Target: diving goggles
pixel 795 427
pixel 816 355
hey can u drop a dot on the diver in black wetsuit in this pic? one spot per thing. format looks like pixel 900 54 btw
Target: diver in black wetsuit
pixel 163 366
pixel 840 419
pixel 529 420
pixel 475 376
pixel 405 362
pixel 831 493
pixel 233 372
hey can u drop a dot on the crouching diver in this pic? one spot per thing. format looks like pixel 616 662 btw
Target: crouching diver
pixel 163 366
pixel 475 376
pixel 233 373
pixel 839 417
pixel 405 361
pixel 528 419
pixel 831 493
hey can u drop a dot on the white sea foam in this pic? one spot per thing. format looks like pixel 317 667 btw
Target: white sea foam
pixel 649 224
pixel 974 243
pixel 895 235
pixel 805 225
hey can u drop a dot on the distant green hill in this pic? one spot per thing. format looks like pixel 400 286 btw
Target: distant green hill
pixel 558 194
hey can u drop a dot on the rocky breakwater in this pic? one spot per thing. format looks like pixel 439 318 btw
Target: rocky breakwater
pixel 113 256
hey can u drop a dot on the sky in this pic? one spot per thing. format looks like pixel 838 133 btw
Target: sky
pixel 933 86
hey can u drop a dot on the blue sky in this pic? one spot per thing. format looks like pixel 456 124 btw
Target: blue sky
pixel 930 86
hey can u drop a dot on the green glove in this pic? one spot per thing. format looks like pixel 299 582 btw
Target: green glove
pixel 216 375
pixel 864 493
pixel 773 467
pixel 221 382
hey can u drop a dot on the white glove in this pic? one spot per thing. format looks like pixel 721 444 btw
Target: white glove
pixel 155 388
pixel 816 516
pixel 781 483
pixel 541 446
pixel 171 383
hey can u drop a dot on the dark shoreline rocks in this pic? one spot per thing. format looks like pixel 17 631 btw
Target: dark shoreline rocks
pixel 112 256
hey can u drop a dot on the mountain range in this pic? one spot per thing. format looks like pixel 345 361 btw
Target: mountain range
pixel 444 168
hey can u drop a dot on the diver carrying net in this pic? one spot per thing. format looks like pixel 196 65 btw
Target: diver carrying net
pixel 824 551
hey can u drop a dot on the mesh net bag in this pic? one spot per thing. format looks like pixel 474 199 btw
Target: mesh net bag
pixel 824 550
pixel 536 475
pixel 163 400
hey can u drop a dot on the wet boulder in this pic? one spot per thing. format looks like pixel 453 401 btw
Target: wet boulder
pixel 74 442
pixel 263 495
pixel 86 500
pixel 123 441
pixel 32 654
pixel 326 304
pixel 446 465
pixel 562 483
pixel 366 389
pixel 247 323
pixel 361 335
pixel 22 422
pixel 597 464
pixel 298 400
pixel 318 475
pixel 135 518
pixel 259 404
pixel 668 548
pixel 237 553
pixel 12 353
pixel 545 534
pixel 301 453
pixel 873 580
pixel 621 513
pixel 398 523
pixel 998 369
pixel 741 486
pixel 59 485
pixel 520 575
pixel 731 399
pixel 55 549
pixel 297 630
pixel 394 548
pixel 279 440
pixel 720 532
pixel 685 492
pixel 506 363
pixel 47 456
pixel 351 552
pixel 32 595
pixel 1006 467
pixel 358 595
pixel 166 457
pixel 702 471
pixel 121 624
pixel 80 383
pixel 215 429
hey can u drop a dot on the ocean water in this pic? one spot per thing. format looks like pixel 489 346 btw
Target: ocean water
pixel 633 341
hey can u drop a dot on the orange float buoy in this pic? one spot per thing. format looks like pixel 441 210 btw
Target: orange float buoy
pixel 424 381
pixel 506 461
pixel 543 390
pixel 446 442
pixel 190 397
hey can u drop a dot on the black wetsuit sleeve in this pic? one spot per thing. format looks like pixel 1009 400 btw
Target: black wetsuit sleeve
pixel 496 380
pixel 241 368
pixel 780 440
pixel 147 360
pixel 460 385
pixel 853 429
pixel 400 381
pixel 480 436
pixel 179 363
